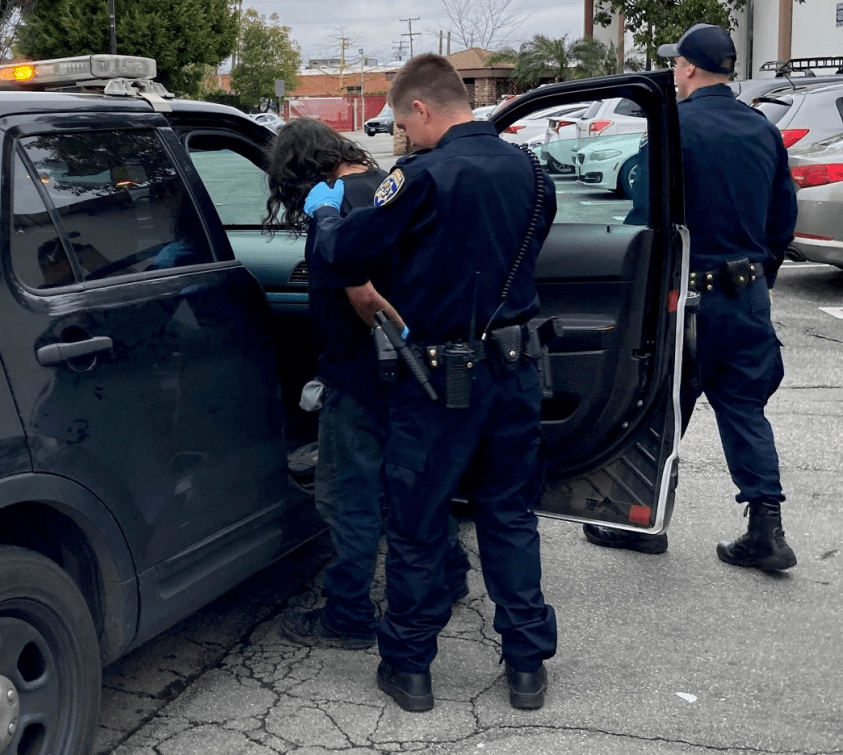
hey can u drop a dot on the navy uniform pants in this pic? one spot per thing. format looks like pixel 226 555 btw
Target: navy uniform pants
pixel 349 486
pixel 740 368
pixel 430 448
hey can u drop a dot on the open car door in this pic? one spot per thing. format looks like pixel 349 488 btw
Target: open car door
pixel 613 274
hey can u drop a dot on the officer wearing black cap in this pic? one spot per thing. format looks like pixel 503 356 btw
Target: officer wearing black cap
pixel 446 231
pixel 740 209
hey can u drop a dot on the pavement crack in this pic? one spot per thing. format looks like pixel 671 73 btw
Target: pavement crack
pixel 700 745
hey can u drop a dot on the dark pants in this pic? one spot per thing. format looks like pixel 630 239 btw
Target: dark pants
pixel 349 495
pixel 430 448
pixel 740 368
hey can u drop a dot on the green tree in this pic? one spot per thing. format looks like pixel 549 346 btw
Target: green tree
pixel 657 22
pixel 180 34
pixel 265 53
pixel 543 58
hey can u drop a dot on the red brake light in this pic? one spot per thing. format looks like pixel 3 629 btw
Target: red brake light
pixel 792 135
pixel 817 175
pixel 513 129
pixel 560 124
pixel 595 127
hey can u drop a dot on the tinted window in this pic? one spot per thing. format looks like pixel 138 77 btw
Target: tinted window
pixel 121 203
pixel 775 109
pixel 839 103
pixel 628 107
pixel 38 257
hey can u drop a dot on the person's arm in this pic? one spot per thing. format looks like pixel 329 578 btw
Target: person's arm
pixel 366 301
pixel 781 214
pixel 361 241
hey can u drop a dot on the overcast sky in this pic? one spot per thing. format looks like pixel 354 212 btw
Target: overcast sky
pixel 375 25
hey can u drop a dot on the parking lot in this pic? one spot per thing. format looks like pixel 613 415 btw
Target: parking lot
pixel 658 654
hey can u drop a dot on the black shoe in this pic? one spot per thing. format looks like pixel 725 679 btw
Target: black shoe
pixel 308 628
pixel 763 546
pixel 412 691
pixel 526 688
pixel 609 537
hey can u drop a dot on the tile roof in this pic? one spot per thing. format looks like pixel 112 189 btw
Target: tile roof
pixel 473 58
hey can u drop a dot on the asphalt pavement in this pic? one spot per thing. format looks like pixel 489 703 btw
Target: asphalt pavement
pixel 670 654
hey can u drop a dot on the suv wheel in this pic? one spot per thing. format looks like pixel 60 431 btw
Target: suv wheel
pixel 50 671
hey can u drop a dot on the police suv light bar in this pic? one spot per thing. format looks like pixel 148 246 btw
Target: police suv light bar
pixel 68 71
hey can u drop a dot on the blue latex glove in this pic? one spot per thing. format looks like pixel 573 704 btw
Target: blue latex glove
pixel 322 195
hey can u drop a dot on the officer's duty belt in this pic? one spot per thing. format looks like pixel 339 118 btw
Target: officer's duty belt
pixel 734 276
pixel 433 354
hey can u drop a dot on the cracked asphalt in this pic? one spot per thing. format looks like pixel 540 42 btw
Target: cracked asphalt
pixel 756 657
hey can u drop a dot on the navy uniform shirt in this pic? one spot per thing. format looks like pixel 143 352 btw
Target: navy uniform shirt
pixel 443 216
pixel 341 338
pixel 739 196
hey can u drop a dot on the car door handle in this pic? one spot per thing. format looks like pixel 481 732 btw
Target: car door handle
pixel 55 353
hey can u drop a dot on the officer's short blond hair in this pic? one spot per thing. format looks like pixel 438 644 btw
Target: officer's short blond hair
pixel 431 79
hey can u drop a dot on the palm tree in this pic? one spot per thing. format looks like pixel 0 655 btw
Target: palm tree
pixel 544 58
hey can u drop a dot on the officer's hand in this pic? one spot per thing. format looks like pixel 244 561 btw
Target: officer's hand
pixel 323 195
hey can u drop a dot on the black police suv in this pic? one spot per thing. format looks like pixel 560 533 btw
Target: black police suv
pixel 154 346
pixel 382 123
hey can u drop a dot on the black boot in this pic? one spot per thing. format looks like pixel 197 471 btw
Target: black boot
pixel 526 688
pixel 763 546
pixel 609 537
pixel 412 691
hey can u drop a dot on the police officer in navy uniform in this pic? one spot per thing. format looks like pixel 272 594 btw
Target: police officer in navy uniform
pixel 348 484
pixel 740 209
pixel 446 230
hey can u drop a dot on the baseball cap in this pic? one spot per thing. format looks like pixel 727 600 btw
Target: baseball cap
pixel 706 46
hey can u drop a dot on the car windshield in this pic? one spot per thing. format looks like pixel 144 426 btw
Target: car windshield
pixel 386 112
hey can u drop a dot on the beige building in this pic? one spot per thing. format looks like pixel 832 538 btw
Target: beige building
pixel 768 30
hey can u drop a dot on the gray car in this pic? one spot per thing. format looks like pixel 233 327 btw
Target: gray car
pixel 804 113
pixel 817 170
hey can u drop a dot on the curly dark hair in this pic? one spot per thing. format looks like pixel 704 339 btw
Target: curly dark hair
pixel 302 154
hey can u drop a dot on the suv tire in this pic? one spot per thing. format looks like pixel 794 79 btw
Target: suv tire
pixel 49 652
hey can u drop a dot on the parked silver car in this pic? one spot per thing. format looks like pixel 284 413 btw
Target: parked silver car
pixel 804 113
pixel 818 172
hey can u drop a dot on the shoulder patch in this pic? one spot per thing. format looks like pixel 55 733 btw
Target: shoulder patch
pixel 389 188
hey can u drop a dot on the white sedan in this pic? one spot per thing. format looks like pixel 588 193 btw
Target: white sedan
pixel 609 162
pixel 525 129
pixel 272 121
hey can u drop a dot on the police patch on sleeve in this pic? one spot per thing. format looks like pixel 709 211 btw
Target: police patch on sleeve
pixel 390 187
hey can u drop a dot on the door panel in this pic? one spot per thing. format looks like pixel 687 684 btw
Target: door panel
pixel 175 426
pixel 610 273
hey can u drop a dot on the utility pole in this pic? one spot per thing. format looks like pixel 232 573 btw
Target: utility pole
pixel 362 97
pixel 343 45
pixel 112 20
pixel 411 33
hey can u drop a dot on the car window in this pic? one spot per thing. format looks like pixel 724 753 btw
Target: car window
pixel 237 186
pixel 120 203
pixel 595 176
pixel 628 107
pixel 839 104
pixel 774 108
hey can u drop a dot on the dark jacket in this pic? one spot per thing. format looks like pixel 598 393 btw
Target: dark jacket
pixel 342 340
